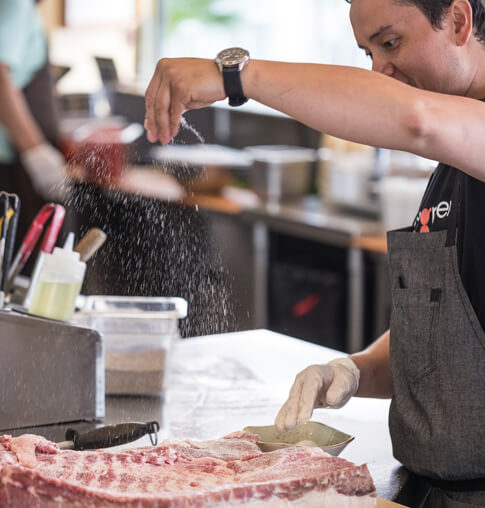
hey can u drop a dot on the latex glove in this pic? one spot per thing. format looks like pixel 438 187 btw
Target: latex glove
pixel 330 385
pixel 46 168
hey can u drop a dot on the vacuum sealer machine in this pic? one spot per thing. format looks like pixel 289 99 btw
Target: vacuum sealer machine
pixel 50 371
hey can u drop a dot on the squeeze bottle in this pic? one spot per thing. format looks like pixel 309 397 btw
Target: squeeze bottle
pixel 60 280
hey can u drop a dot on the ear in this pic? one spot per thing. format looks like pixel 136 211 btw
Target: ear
pixel 460 16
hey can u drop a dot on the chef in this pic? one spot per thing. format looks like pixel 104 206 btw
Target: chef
pixel 30 164
pixel 424 95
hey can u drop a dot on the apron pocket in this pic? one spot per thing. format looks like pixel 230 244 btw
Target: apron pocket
pixel 413 329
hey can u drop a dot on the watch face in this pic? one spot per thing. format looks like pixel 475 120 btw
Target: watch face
pixel 232 56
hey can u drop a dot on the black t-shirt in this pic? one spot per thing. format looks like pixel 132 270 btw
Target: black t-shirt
pixel 434 213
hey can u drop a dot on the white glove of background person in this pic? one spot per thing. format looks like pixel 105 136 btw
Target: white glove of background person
pixel 330 385
pixel 46 167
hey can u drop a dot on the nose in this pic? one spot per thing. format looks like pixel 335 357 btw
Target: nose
pixel 383 66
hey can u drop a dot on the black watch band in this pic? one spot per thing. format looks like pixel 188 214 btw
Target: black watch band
pixel 232 85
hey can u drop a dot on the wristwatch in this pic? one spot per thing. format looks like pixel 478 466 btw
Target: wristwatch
pixel 231 62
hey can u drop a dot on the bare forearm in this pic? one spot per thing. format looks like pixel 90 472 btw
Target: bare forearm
pixel 355 104
pixel 338 100
pixel 370 108
pixel 15 115
pixel 375 369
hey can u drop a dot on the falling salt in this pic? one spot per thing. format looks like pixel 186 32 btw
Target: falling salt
pixel 187 126
pixel 155 248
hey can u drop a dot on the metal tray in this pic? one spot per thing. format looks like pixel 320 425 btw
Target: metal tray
pixel 327 438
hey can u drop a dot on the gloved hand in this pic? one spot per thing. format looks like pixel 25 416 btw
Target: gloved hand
pixel 330 385
pixel 46 168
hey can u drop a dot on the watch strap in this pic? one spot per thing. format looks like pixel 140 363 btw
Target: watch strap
pixel 232 85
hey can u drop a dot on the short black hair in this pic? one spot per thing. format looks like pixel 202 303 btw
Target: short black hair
pixel 435 10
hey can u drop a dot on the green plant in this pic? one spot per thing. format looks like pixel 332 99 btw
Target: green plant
pixel 206 11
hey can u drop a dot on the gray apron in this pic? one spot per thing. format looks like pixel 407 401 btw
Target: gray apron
pixel 437 348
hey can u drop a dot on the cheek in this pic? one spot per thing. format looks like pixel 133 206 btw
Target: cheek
pixel 440 74
pixel 422 72
pixel 431 67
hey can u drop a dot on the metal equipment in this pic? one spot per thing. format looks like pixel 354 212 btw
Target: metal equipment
pixel 50 371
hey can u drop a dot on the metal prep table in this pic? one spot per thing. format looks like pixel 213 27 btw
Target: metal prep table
pixel 221 383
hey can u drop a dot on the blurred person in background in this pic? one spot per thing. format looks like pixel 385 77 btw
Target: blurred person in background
pixel 30 163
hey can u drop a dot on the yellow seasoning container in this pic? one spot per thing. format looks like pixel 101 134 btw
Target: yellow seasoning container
pixel 59 283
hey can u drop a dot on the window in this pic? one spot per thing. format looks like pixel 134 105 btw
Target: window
pixel 303 30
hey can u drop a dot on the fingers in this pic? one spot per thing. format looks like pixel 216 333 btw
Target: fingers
pixel 287 417
pixel 162 112
pixel 177 109
pixel 336 396
pixel 151 93
pixel 345 383
pixel 309 397
pixel 304 396
pixel 178 85
pixel 165 103
pixel 308 391
pixel 338 391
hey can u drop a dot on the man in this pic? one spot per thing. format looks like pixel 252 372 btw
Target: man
pixel 423 96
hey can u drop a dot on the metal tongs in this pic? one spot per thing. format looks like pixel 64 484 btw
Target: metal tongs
pixel 10 209
pixel 30 241
pixel 52 211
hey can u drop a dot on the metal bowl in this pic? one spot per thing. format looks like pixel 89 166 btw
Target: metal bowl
pixel 327 438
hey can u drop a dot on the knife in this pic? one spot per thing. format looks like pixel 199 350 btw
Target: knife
pixel 112 435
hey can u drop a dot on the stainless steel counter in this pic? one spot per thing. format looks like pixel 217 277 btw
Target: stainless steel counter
pixel 221 383
pixel 311 218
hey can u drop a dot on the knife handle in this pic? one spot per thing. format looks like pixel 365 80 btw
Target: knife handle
pixel 90 243
pixel 112 435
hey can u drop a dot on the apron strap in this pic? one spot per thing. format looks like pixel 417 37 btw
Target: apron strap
pixel 417 489
pixel 414 492
pixel 456 200
pixel 475 485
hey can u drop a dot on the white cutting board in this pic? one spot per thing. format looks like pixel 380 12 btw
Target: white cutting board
pixel 384 503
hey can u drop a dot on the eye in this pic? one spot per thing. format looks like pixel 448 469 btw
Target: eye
pixel 390 44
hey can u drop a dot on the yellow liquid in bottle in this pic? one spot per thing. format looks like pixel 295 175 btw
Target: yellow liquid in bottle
pixel 55 300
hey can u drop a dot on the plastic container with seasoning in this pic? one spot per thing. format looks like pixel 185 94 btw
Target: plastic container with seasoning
pixel 138 334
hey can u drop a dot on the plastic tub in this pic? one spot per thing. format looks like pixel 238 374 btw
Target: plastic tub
pixel 138 333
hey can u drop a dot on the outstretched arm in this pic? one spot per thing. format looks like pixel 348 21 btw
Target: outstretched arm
pixel 355 104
